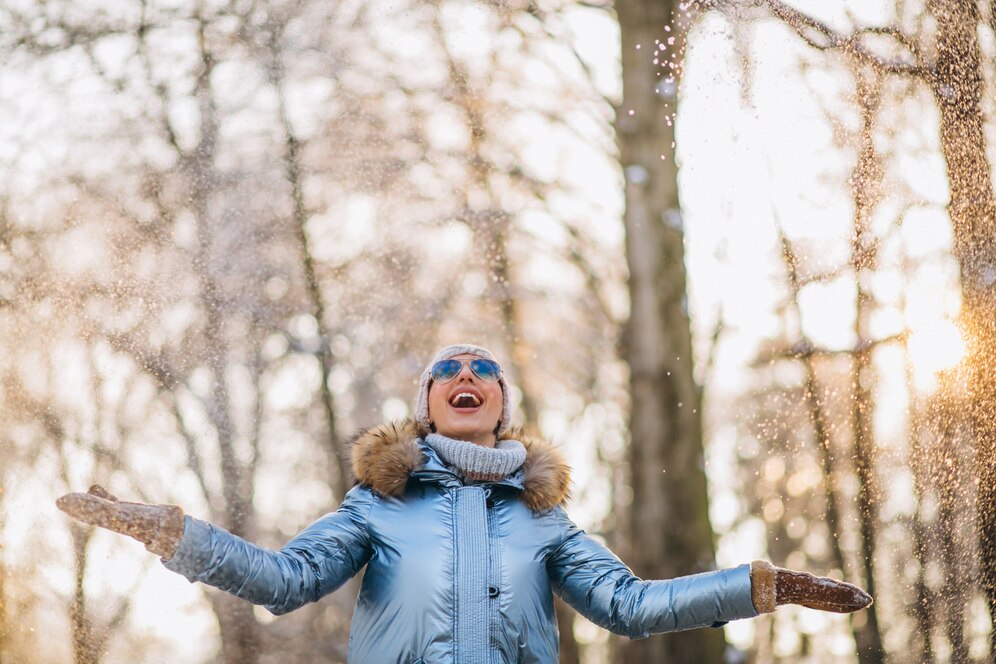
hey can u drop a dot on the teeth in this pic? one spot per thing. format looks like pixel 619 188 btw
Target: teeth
pixel 464 399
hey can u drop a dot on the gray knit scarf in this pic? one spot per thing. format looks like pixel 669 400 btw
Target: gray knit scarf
pixel 476 462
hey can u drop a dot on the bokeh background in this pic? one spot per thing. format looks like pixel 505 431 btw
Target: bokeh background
pixel 737 256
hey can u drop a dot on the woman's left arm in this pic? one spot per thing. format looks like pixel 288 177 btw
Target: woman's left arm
pixel 598 585
pixel 590 578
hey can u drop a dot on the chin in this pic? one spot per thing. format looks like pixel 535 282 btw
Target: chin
pixel 468 431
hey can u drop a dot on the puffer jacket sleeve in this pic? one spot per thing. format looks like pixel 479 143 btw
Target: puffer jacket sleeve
pixel 316 562
pixel 590 578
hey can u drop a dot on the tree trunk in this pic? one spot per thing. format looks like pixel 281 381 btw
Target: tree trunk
pixel 569 651
pixel 4 614
pixel 950 487
pixel 958 87
pixel 669 518
pixel 865 191
pixel 235 619
pixel 501 278
pixel 942 465
pixel 919 461
pixel 511 317
pixel 238 626
pixel 339 471
pixel 822 429
pixel 491 226
pixel 82 628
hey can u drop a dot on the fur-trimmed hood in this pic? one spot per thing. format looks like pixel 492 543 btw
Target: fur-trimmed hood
pixel 384 457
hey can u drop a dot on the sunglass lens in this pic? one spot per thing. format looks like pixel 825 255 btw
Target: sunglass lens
pixel 445 370
pixel 486 370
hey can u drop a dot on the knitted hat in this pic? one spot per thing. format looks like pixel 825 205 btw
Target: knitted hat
pixel 422 404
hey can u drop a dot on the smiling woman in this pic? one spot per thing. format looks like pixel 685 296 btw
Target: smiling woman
pixel 460 521
pixel 463 395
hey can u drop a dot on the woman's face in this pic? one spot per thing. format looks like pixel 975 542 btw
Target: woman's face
pixel 466 408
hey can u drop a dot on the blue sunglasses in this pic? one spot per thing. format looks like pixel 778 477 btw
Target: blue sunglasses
pixel 446 370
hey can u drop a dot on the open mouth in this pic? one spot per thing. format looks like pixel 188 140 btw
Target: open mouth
pixel 464 400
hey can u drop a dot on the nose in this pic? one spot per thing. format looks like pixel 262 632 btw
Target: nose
pixel 465 373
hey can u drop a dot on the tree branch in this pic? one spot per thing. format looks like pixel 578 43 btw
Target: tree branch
pixel 819 35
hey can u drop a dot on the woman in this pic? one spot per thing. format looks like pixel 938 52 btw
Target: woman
pixel 460 521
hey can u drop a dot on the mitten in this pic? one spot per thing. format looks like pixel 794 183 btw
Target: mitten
pixel 159 527
pixel 773 586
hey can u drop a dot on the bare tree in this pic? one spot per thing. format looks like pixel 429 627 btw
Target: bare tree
pixel 944 55
pixel 64 431
pixel 669 522
pixel 223 267
pixel 4 613
pixel 866 191
pixel 865 184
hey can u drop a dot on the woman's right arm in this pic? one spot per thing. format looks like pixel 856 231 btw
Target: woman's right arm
pixel 316 562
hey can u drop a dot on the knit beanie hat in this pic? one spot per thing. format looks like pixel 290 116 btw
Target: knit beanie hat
pixel 422 404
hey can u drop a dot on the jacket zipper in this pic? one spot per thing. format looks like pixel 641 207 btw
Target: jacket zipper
pixel 473 552
pixel 494 578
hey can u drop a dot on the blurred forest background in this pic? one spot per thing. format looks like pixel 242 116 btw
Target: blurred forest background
pixel 232 232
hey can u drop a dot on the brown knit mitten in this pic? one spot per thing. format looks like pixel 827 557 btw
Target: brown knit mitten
pixel 159 527
pixel 774 586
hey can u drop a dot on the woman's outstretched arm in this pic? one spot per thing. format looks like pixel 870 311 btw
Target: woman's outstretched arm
pixel 316 562
pixel 590 578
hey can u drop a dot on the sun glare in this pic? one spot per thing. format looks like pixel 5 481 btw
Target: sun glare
pixel 933 348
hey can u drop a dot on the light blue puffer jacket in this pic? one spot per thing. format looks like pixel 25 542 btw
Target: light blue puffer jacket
pixel 456 573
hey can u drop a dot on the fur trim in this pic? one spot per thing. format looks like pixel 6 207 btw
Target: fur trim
pixel 383 457
pixel 547 480
pixel 762 586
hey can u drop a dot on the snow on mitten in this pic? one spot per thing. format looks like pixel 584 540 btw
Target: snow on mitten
pixel 159 527
pixel 774 586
